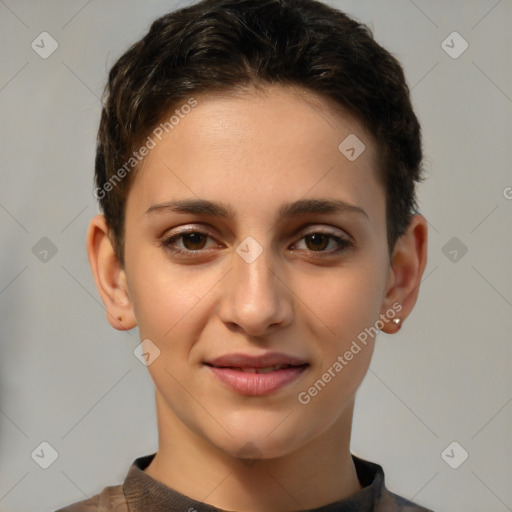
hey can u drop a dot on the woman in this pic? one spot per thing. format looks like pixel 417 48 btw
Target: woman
pixel 256 169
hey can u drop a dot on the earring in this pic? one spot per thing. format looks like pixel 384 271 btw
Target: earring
pixel 398 323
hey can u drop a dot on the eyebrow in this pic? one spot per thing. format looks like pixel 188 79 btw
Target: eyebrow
pixel 287 210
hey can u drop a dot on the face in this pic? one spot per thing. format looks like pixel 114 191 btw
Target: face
pixel 253 242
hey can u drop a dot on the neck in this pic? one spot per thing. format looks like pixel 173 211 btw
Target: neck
pixel 319 473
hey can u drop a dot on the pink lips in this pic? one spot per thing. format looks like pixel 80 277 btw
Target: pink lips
pixel 257 375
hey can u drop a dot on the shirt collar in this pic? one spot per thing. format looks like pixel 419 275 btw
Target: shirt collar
pixel 145 494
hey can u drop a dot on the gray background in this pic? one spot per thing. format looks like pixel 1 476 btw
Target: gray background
pixel 69 379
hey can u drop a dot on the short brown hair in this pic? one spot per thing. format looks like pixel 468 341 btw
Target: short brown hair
pixel 219 45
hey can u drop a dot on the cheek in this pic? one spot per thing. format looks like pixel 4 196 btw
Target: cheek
pixel 342 303
pixel 164 296
pixel 339 310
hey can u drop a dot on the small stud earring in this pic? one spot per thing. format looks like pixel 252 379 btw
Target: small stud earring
pixel 398 323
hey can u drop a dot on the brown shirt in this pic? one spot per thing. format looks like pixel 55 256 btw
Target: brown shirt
pixel 141 493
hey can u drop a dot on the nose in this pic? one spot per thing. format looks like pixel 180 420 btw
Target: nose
pixel 255 297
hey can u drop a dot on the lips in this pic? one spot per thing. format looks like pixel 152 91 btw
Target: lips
pixel 257 375
pixel 246 361
pixel 265 369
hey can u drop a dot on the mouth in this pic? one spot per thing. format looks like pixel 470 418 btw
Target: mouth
pixel 265 369
pixel 257 375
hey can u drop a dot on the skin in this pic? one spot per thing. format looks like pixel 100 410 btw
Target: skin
pixel 255 151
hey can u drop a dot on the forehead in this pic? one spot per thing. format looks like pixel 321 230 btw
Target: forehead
pixel 263 144
pixel 274 117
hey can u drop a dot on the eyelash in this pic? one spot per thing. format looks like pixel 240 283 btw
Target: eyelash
pixel 168 242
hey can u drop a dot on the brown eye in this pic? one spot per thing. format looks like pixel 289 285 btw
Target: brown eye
pixel 324 243
pixel 194 241
pixel 186 243
pixel 317 241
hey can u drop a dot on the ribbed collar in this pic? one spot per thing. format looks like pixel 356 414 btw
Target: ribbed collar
pixel 145 494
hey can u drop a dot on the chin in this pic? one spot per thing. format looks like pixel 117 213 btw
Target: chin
pixel 261 440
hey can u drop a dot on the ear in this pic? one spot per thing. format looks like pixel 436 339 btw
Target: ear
pixel 109 275
pixel 408 263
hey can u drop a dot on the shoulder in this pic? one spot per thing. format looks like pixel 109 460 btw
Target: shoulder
pixel 371 476
pixel 110 499
pixel 391 502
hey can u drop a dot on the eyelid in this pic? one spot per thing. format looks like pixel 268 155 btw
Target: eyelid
pixel 326 230
pixel 343 240
pixel 168 237
pixel 318 229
